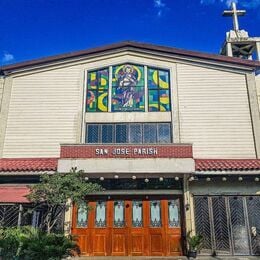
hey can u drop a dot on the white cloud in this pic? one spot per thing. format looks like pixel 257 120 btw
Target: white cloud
pixel 160 7
pixel 159 3
pixel 7 57
pixel 249 4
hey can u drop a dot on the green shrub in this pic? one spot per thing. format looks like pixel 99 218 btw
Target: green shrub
pixel 27 243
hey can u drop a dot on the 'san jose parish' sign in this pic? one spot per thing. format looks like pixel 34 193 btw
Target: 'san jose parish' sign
pixel 127 151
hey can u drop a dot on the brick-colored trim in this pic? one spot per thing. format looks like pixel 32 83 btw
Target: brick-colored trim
pixel 162 151
pixel 28 164
pixel 227 165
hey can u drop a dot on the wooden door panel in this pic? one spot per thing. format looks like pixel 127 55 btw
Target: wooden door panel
pixel 136 244
pixel 99 244
pixel 83 242
pixel 119 244
pixel 174 245
pixel 156 242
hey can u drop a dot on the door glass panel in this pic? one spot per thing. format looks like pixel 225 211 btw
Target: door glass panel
pixel 173 211
pixel 82 217
pixel 253 206
pixel 137 213
pixel 119 218
pixel 155 213
pixel 238 225
pixel 100 220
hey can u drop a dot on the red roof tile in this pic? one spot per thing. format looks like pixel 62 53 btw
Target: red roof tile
pixel 14 193
pixel 32 164
pixel 227 164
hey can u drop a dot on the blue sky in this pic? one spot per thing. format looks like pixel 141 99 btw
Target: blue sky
pixel 31 29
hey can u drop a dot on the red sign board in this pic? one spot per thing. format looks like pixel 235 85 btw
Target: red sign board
pixel 126 151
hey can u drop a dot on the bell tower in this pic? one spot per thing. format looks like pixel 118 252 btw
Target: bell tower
pixel 238 43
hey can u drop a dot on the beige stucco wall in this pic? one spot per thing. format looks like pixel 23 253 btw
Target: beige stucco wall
pixel 210 108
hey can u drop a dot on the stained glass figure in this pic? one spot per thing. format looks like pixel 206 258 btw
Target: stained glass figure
pixel 100 220
pixel 128 88
pixel 173 211
pixel 158 90
pixel 97 91
pixel 155 213
pixel 137 213
pixel 82 216
pixel 119 214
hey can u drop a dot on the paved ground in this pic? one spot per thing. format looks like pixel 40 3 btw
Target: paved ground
pixel 168 258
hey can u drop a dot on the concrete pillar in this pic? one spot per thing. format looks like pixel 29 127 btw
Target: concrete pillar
pixel 188 207
pixel 229 49
pixel 258 50
pixel 68 218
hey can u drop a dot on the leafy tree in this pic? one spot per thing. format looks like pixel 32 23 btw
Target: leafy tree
pixel 54 191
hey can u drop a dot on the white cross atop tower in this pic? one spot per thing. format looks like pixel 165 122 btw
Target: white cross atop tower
pixel 238 43
pixel 234 13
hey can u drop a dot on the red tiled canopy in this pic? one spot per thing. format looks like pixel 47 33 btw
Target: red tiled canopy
pixel 14 194
pixel 227 164
pixel 32 164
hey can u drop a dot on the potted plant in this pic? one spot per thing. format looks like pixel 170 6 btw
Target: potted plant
pixel 194 243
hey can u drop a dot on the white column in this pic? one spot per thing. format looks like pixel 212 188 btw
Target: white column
pixel 258 50
pixel 229 49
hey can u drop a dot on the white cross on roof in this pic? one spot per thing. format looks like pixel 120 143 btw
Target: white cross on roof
pixel 234 13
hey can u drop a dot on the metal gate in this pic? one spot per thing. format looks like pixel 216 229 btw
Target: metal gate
pixel 230 225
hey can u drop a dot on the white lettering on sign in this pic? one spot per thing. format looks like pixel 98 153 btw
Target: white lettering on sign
pixel 145 151
pixel 120 151
pixel 127 151
pixel 100 151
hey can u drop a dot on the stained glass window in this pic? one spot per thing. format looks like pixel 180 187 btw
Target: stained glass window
pixel 158 90
pixel 128 88
pixel 121 88
pixel 97 91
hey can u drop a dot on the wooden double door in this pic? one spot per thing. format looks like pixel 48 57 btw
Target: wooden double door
pixel 122 226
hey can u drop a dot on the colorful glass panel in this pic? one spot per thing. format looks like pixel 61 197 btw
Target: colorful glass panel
pixel 128 88
pixel 163 79
pixel 92 80
pixel 152 79
pixel 164 100
pixel 102 101
pixel 159 90
pixel 91 101
pixel 103 79
pixel 97 94
pixel 153 100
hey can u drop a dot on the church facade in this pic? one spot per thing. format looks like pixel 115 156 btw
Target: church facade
pixel 173 136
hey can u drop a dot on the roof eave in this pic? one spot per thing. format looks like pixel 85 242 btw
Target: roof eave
pixel 130 45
